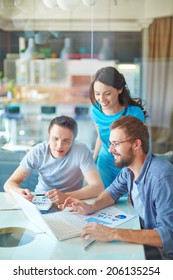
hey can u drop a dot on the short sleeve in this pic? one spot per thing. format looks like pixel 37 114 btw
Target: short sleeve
pixel 86 159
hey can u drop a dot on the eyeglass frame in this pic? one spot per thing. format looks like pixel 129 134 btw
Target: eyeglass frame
pixel 117 143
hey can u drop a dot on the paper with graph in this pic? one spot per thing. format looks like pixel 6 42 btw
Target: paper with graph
pixel 110 216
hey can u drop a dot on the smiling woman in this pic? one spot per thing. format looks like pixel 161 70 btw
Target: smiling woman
pixel 111 100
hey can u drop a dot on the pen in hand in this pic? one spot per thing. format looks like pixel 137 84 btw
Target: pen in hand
pixel 88 244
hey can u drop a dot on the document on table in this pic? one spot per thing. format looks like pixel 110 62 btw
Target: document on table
pixel 110 216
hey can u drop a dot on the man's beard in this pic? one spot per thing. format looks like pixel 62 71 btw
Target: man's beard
pixel 125 161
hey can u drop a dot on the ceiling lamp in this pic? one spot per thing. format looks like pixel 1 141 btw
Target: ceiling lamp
pixel 68 5
pixel 42 37
pixel 50 3
pixel 89 2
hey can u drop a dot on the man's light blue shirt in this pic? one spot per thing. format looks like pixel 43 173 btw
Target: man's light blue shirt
pixel 155 186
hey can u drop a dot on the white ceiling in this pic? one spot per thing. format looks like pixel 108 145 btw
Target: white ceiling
pixel 105 15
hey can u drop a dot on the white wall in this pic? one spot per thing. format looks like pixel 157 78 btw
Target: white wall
pixel 127 15
pixel 158 8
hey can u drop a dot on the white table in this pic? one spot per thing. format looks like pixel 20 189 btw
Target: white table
pixel 44 248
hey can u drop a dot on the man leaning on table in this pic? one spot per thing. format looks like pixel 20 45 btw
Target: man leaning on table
pixel 148 179
pixel 62 162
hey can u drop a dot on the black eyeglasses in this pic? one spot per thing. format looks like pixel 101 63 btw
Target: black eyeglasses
pixel 117 143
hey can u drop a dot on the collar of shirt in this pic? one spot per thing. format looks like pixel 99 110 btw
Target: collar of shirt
pixel 143 174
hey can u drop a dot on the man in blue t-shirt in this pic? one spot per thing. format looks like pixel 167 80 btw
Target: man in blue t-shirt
pixel 62 164
pixel 148 179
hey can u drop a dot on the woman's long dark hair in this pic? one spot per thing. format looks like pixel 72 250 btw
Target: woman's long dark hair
pixel 111 77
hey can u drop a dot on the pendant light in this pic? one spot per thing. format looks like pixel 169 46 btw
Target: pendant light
pixel 68 5
pixel 89 2
pixel 50 3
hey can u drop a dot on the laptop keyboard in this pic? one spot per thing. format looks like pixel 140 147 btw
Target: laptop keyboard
pixel 62 229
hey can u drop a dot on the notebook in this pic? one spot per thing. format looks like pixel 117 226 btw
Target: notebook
pixel 59 225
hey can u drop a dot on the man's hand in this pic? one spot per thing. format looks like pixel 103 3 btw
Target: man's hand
pixel 97 232
pixel 56 196
pixel 78 206
pixel 25 193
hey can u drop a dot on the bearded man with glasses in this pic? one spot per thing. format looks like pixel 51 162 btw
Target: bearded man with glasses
pixel 148 179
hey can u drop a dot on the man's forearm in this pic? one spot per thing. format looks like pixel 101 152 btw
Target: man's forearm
pixel 89 191
pixel 10 185
pixel 145 236
pixel 102 201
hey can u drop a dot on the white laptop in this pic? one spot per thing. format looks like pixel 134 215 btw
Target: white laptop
pixel 59 225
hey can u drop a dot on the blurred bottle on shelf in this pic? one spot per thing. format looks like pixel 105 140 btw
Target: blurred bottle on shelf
pixel 106 51
pixel 67 50
pixel 28 54
pixel 22 47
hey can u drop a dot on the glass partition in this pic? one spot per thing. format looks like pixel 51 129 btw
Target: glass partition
pixel 50 50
